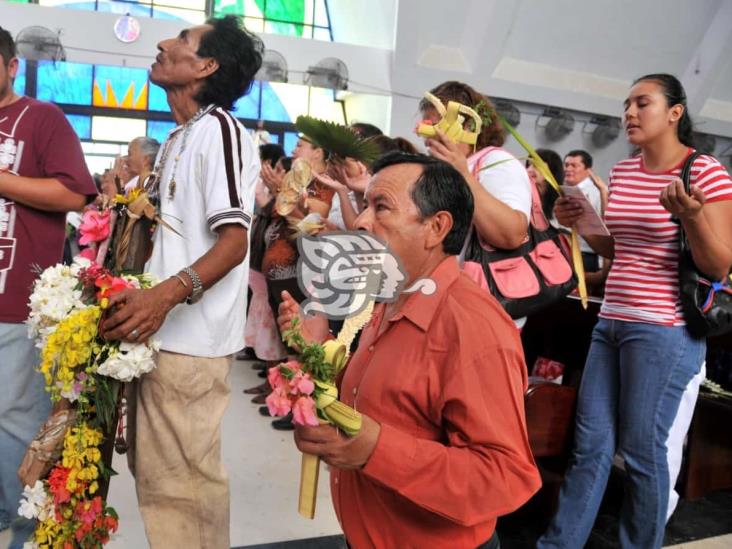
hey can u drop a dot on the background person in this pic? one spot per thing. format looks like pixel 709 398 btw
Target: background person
pixel 42 176
pixel 643 369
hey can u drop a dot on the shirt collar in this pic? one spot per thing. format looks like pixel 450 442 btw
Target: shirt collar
pixel 421 308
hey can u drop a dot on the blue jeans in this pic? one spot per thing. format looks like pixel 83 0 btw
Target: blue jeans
pixel 24 406
pixel 631 388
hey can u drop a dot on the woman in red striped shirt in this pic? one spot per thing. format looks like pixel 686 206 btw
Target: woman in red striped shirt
pixel 643 369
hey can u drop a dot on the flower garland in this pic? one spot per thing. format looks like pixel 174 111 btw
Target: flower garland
pixel 84 371
pixel 69 514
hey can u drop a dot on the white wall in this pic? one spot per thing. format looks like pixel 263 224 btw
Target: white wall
pixel 369 23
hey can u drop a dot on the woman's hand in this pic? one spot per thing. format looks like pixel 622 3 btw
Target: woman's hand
pixel 272 177
pixel 602 187
pixel 331 183
pixel 680 204
pixel 352 174
pixel 443 148
pixel 567 211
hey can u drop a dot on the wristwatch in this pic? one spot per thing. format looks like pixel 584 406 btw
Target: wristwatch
pixel 197 291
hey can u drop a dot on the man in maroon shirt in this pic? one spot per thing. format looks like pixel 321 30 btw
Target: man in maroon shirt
pixel 439 380
pixel 42 176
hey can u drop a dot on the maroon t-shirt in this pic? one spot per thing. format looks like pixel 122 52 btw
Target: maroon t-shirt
pixel 36 140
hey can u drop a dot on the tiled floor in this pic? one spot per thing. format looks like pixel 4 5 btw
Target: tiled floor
pixel 264 468
pixel 264 472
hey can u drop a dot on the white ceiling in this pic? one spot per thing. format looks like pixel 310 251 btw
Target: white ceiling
pixel 575 54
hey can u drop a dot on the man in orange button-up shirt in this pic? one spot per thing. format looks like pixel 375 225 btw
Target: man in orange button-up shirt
pixel 439 379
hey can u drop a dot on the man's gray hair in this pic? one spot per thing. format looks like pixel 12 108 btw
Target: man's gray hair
pixel 149 148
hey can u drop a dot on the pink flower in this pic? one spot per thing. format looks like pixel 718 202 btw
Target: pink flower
pixel 278 403
pixel 88 253
pixel 303 412
pixel 302 384
pixel 275 379
pixel 87 511
pixel 94 226
pixel 293 365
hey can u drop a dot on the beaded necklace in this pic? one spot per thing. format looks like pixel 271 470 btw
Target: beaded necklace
pixel 172 138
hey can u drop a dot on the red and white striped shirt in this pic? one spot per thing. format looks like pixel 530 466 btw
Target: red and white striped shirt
pixel 642 285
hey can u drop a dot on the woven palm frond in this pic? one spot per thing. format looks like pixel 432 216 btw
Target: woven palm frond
pixel 337 139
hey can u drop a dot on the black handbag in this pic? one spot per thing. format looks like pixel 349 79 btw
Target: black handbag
pixel 533 276
pixel 707 305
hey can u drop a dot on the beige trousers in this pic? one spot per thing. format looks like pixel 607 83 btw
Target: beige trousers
pixel 174 432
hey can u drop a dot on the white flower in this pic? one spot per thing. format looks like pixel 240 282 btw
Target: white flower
pixel 131 361
pixel 55 295
pixel 35 503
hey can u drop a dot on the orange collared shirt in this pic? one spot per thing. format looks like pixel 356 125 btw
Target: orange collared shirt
pixel 446 381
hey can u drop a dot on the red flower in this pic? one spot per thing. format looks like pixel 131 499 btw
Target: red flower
pixel 57 483
pixel 109 285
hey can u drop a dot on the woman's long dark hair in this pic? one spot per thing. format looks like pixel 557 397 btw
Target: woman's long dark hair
pixel 675 95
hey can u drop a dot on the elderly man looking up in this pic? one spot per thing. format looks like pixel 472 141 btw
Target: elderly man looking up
pixel 439 379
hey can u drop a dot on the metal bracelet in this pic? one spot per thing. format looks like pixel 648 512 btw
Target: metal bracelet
pixel 182 280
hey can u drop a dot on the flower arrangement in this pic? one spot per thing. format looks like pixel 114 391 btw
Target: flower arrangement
pixel 83 374
pixel 306 386
pixel 70 514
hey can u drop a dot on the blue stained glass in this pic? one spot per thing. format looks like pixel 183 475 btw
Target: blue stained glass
pixel 63 82
pixel 158 129
pixel 272 108
pixel 157 100
pixel 81 125
pixel 122 8
pixel 274 138
pixel 290 142
pixel 19 83
pixel 128 87
pixel 248 105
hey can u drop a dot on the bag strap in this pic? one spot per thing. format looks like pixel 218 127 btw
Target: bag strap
pixel 537 218
pixel 685 177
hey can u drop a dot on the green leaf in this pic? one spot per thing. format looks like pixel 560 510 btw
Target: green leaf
pixel 536 160
pixel 337 139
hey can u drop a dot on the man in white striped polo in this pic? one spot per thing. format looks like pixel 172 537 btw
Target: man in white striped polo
pixel 207 170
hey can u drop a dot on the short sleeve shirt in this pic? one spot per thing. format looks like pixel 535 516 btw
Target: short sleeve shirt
pixel 642 285
pixel 215 178
pixel 36 141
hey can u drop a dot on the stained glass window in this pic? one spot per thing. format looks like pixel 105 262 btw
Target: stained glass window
pixel 283 102
pixel 120 87
pixel 158 100
pixel 158 129
pixel 301 18
pixel 63 82
pixel 81 125
pixel 19 83
pixel 290 142
pixel 193 11
pixel 248 106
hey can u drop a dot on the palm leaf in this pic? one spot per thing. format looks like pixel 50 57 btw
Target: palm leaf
pixel 543 169
pixel 337 139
